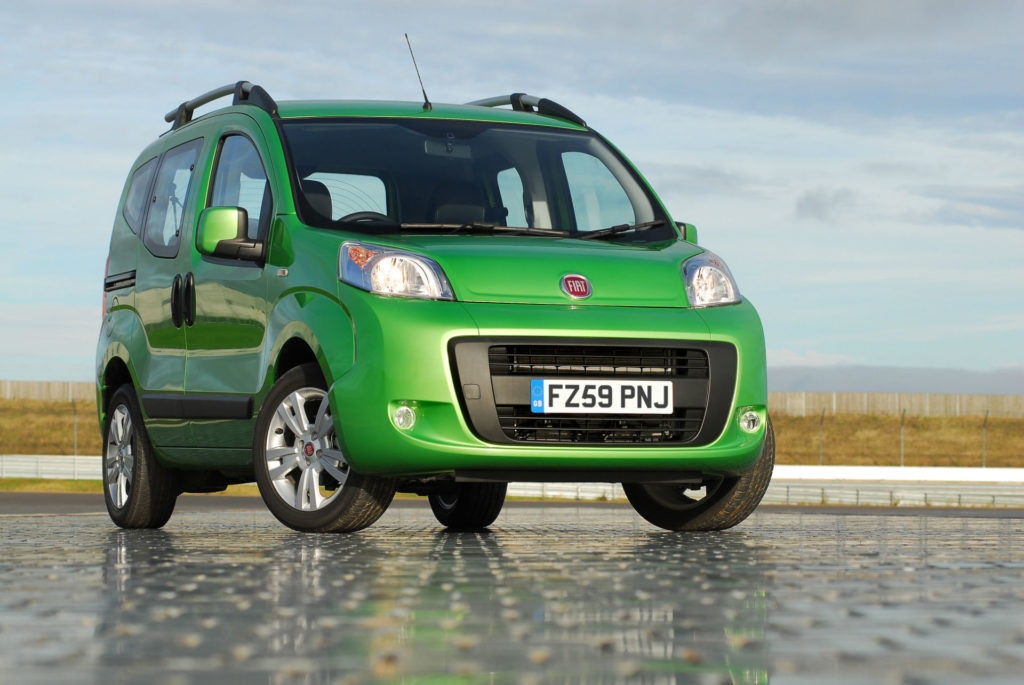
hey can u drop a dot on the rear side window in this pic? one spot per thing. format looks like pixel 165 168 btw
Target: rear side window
pixel 138 194
pixel 240 181
pixel 170 194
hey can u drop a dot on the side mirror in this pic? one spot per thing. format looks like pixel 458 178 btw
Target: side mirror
pixel 689 232
pixel 223 232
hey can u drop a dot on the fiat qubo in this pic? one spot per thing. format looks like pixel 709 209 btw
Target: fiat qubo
pixel 341 300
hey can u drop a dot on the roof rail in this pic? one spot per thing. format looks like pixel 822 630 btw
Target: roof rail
pixel 526 103
pixel 243 91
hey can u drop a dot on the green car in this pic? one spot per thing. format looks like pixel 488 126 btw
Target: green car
pixel 341 300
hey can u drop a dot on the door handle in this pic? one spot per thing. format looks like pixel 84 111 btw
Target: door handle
pixel 188 299
pixel 176 301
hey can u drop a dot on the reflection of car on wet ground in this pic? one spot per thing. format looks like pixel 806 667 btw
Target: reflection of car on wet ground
pixel 447 607
pixel 341 300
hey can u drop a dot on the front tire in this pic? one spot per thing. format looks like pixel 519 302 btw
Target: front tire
pixel 468 506
pixel 139 492
pixel 302 474
pixel 725 502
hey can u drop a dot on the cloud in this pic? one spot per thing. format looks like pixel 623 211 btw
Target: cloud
pixel 824 204
pixel 992 207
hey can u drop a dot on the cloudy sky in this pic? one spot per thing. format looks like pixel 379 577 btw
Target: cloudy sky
pixel 860 165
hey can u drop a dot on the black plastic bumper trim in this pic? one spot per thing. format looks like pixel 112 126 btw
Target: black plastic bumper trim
pixel 582 476
pixel 179 406
pixel 480 393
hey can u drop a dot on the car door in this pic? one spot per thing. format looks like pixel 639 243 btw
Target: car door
pixel 160 373
pixel 225 366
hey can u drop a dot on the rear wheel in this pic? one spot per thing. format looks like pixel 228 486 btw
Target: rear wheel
pixel 139 492
pixel 716 504
pixel 302 474
pixel 468 506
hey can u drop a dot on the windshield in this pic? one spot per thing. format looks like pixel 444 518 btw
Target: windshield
pixel 416 175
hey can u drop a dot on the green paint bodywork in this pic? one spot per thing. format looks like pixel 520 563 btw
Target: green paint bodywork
pixel 379 352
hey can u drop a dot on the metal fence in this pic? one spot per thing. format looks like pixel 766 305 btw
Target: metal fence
pixel 48 391
pixel 895 403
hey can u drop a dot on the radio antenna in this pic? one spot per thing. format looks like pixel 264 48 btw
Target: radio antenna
pixel 426 101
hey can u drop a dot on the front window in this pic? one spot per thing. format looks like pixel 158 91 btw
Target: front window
pixel 240 181
pixel 415 175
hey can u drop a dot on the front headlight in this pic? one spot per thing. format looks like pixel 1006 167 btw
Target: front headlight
pixel 708 281
pixel 390 271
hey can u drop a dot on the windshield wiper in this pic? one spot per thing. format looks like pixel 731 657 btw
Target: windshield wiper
pixel 618 229
pixel 381 224
pixel 480 227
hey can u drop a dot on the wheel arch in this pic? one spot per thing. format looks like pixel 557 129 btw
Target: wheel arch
pixel 295 352
pixel 309 327
pixel 115 374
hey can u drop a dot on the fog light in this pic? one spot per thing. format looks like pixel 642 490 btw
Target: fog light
pixel 405 417
pixel 750 421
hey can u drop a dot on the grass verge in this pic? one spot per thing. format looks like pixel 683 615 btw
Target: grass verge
pixel 38 427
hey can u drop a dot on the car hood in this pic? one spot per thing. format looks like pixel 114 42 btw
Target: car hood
pixel 529 270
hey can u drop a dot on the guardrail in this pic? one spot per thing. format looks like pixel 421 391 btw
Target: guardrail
pixel 791 485
pixel 897 486
pixel 50 466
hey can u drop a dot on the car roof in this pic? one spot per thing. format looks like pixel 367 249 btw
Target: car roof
pixel 389 109
pixel 525 109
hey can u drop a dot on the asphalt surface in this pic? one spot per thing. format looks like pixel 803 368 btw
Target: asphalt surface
pixel 575 593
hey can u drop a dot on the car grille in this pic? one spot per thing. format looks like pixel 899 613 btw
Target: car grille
pixel 494 376
pixel 608 362
pixel 522 425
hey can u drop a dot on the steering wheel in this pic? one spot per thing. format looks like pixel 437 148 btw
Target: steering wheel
pixel 366 217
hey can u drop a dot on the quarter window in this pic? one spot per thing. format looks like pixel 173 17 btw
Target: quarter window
pixel 138 194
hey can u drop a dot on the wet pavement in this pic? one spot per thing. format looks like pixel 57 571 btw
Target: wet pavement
pixel 552 594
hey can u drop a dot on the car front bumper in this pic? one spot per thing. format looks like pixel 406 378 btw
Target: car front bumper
pixel 426 357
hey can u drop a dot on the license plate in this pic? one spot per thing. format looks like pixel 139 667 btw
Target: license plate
pixel 573 396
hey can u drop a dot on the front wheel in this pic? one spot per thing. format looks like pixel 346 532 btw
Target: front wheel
pixel 716 504
pixel 468 506
pixel 139 492
pixel 302 474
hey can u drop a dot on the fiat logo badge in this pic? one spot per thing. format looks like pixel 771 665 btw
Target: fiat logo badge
pixel 577 287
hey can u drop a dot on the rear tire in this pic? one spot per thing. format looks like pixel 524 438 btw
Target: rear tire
pixel 726 501
pixel 468 506
pixel 303 476
pixel 139 492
